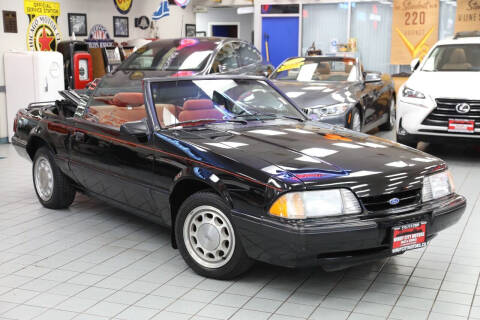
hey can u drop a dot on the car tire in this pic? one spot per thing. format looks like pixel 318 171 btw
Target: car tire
pixel 406 140
pixel 53 188
pixel 356 123
pixel 390 124
pixel 207 240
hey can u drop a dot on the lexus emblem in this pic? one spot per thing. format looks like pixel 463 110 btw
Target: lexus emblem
pixel 393 201
pixel 462 108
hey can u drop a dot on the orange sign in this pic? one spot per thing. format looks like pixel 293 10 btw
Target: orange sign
pixel 468 15
pixel 414 29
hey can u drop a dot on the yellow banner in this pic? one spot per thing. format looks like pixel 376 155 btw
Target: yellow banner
pixel 467 16
pixel 35 8
pixel 414 29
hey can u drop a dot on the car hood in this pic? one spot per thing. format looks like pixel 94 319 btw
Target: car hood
pixel 439 84
pixel 310 94
pixel 314 154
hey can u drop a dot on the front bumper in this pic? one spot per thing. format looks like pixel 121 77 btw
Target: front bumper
pixel 341 242
pixel 410 116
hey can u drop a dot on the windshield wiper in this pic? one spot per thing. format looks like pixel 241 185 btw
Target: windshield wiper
pixel 274 115
pixel 208 120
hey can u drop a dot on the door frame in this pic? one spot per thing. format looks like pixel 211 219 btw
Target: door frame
pixel 210 26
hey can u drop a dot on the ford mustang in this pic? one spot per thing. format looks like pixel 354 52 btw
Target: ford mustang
pixel 238 173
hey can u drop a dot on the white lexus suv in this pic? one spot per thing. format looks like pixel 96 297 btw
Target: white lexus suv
pixel 441 99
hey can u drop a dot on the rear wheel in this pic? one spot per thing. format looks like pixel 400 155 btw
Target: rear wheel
pixel 356 124
pixel 54 189
pixel 207 239
pixel 391 117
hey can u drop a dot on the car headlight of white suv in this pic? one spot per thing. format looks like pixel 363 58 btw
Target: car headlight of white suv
pixel 437 185
pixel 411 93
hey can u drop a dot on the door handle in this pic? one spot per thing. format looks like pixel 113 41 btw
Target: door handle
pixel 79 136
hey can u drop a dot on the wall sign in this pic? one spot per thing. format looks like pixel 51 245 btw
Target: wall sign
pixel 142 22
pixel 123 6
pixel 99 37
pixel 10 21
pixel 42 31
pixel 162 11
pixel 414 29
pixel 467 16
pixel 182 3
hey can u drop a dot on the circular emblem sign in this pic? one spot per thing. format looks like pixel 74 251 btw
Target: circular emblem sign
pixel 123 5
pixel 463 108
pixel 43 34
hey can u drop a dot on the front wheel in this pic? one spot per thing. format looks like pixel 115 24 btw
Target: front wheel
pixel 356 124
pixel 207 239
pixel 54 189
pixel 391 117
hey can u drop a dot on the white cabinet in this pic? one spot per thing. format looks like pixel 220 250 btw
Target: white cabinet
pixel 31 76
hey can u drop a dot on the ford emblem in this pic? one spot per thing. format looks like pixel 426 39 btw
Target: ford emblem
pixel 463 108
pixel 394 201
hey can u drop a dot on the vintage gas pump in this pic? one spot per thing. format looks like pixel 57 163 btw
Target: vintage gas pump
pixel 77 63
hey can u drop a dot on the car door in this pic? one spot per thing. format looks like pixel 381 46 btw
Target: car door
pixel 371 93
pixel 108 161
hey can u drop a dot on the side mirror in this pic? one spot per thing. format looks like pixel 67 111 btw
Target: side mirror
pixel 137 129
pixel 414 64
pixel 373 77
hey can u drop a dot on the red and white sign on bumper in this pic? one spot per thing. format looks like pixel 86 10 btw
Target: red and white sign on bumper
pixel 409 236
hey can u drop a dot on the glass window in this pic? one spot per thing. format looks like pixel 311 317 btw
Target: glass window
pixel 324 24
pixel 171 55
pixel 317 69
pixel 456 57
pixel 225 60
pixel 186 103
pixel 372 27
pixel 248 55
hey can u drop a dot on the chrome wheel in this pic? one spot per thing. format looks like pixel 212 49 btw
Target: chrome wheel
pixel 356 122
pixel 208 236
pixel 43 176
pixel 392 112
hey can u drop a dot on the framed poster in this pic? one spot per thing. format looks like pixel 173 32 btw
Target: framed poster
pixel 201 33
pixel 414 29
pixel 190 30
pixel 120 27
pixel 77 23
pixel 10 22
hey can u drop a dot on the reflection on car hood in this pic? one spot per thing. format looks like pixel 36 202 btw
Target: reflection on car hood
pixel 314 154
pixel 133 78
pixel 314 93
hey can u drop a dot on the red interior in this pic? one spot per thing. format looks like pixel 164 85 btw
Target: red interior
pixel 199 109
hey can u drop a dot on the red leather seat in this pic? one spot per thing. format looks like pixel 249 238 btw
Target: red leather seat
pixel 128 99
pixel 195 109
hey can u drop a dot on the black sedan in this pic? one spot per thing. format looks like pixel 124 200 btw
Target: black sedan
pixel 336 90
pixel 238 173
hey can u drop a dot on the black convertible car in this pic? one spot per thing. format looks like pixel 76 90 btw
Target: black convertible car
pixel 238 173
pixel 338 91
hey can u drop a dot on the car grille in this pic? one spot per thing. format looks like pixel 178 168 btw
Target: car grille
pixel 379 203
pixel 445 110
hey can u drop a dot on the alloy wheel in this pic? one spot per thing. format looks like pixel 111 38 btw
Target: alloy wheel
pixel 43 178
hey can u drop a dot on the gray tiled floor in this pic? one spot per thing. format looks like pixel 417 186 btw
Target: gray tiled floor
pixel 96 262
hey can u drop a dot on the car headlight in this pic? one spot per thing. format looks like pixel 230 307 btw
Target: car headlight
pixel 331 110
pixel 410 93
pixel 437 185
pixel 315 204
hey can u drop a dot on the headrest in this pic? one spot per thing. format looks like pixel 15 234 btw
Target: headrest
pixel 198 104
pixel 128 99
pixel 458 56
pixel 323 68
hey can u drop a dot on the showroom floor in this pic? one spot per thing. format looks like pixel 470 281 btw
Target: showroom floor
pixel 96 262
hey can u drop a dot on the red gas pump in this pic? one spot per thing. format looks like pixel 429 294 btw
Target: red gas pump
pixel 82 69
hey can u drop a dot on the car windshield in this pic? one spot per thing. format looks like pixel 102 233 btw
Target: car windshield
pixel 184 54
pixel 457 57
pixel 184 103
pixel 317 69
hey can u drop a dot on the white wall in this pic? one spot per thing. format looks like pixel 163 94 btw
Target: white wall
pixel 227 15
pixel 98 12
